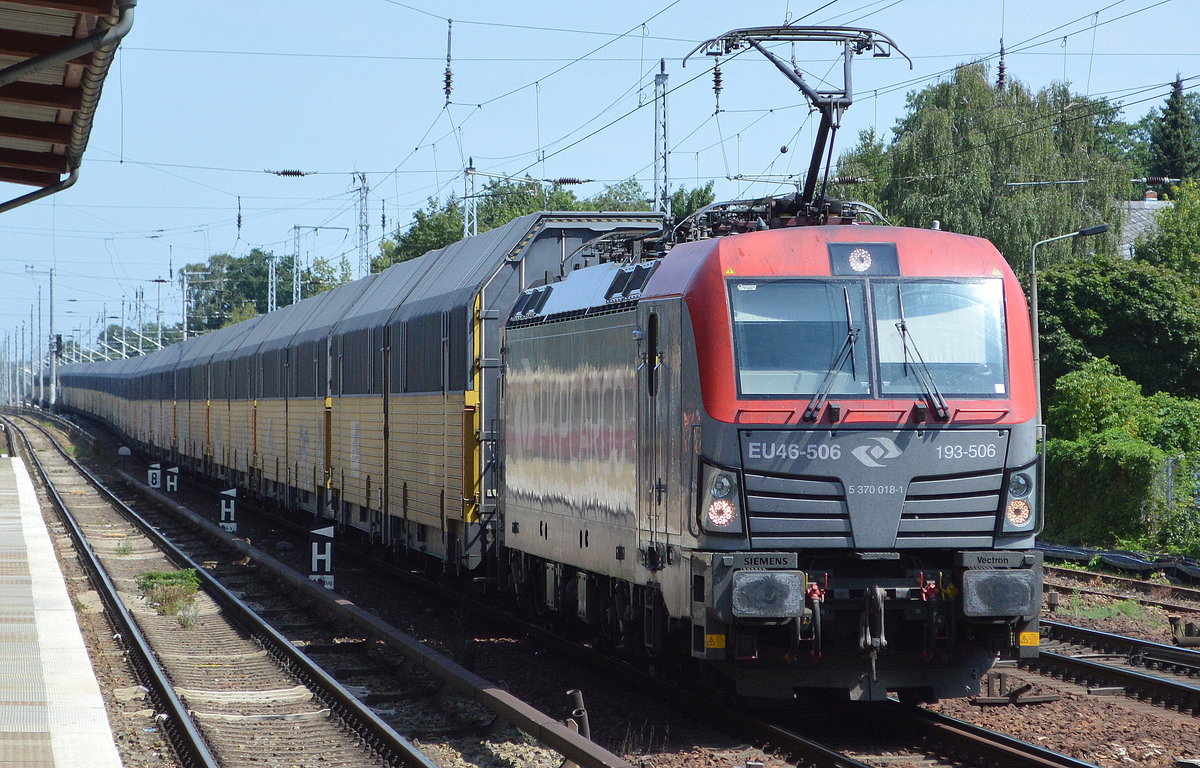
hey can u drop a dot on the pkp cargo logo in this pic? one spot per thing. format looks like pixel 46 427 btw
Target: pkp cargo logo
pixel 883 449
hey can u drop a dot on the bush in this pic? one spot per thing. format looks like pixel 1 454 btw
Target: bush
pixel 170 591
pixel 1099 487
pixel 1122 467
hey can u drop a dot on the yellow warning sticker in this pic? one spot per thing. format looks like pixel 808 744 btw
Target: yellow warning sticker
pixel 714 641
pixel 729 270
pixel 1029 639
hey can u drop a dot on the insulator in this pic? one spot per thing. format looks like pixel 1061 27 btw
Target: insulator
pixel 239 216
pixel 566 180
pixel 290 173
pixel 849 180
pixel 449 75
pixel 1001 79
pixel 717 84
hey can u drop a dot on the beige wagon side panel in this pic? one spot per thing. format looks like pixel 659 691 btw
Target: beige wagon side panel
pixel 357 455
pixel 239 442
pixel 189 436
pixel 272 439
pixel 425 456
pixel 306 436
pixel 218 426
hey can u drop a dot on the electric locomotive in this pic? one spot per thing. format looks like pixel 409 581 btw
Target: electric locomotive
pixel 807 454
pixel 803 448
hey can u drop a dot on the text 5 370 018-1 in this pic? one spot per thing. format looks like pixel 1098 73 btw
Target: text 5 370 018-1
pixel 877 490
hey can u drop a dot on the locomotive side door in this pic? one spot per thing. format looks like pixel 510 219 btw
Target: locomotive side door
pixel 659 433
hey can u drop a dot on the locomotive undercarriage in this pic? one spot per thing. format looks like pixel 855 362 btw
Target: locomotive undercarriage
pixel 861 626
pixel 866 623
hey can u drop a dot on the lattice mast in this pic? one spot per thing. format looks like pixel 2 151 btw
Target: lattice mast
pixel 470 207
pixel 364 227
pixel 662 147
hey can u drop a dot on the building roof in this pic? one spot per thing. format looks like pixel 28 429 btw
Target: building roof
pixel 1139 219
pixel 54 57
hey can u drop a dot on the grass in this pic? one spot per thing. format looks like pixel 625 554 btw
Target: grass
pixel 1131 608
pixel 187 615
pixel 124 549
pixel 172 593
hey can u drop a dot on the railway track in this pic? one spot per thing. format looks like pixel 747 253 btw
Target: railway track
pixel 1171 597
pixel 1154 672
pixel 432 700
pixel 802 734
pixel 234 691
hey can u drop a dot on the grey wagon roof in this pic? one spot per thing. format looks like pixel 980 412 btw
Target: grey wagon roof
pixel 444 278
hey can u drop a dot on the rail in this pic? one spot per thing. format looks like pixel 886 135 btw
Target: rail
pixel 184 735
pixel 1185 696
pixel 546 730
pixel 374 731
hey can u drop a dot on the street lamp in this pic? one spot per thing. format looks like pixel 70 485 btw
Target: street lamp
pixel 1033 304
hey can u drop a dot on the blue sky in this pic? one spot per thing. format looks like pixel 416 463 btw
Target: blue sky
pixel 206 97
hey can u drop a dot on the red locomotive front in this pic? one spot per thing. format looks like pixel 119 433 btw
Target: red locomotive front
pixel 862 415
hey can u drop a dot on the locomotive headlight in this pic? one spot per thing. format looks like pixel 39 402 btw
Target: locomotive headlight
pixel 1019 485
pixel 1020 503
pixel 1018 514
pixel 720 502
pixel 721 486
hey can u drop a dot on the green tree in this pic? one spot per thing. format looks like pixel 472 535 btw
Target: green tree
pixel 961 143
pixel 1175 138
pixel 628 195
pixel 1144 318
pixel 868 160
pixel 219 290
pixel 325 274
pixel 503 200
pixel 435 226
pixel 245 312
pixel 685 202
pixel 441 223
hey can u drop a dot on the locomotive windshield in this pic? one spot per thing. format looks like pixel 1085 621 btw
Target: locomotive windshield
pixel 956 327
pixel 789 333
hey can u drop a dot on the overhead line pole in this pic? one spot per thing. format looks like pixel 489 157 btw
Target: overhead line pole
pixel 43 345
pixel 364 227
pixel 470 204
pixel 296 288
pixel 662 147
pixel 33 383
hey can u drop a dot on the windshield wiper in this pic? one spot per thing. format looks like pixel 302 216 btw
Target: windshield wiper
pixel 847 350
pixel 924 376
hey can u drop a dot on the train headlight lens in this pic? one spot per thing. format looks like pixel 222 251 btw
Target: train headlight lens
pixel 721 513
pixel 1019 485
pixel 721 487
pixel 720 504
pixel 1018 514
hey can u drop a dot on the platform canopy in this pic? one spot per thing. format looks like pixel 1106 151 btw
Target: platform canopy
pixel 54 56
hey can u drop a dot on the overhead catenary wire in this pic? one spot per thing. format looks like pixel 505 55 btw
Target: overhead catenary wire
pixel 416 194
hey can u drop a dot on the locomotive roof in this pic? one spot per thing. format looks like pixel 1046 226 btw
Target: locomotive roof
pixel 804 251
